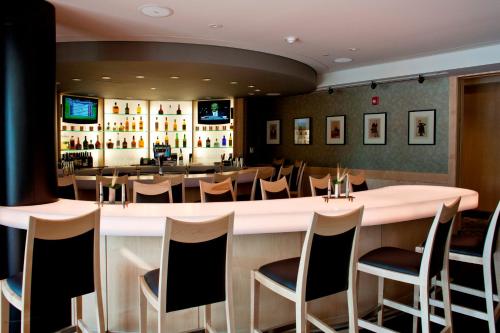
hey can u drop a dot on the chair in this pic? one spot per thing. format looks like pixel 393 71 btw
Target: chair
pixel 216 192
pixel 274 190
pixel 246 181
pixel 358 183
pixel 177 183
pixel 152 193
pixel 277 164
pixel 61 262
pixel 319 186
pixel 414 268
pixel 106 181
pixel 478 251
pixel 298 192
pixel 327 266
pixel 294 177
pixel 207 247
pixel 220 177
pixel 67 187
pixel 286 172
pixel 265 174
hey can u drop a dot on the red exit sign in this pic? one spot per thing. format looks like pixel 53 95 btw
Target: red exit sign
pixel 375 100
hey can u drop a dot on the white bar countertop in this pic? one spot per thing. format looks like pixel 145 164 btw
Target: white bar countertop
pixel 384 205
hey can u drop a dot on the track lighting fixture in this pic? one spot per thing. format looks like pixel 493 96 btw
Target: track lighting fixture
pixel 421 78
pixel 373 85
pixel 330 90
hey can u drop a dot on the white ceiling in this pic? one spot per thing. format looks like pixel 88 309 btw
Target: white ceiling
pixel 382 30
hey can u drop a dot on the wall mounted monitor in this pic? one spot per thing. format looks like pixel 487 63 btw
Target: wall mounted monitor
pixel 79 110
pixel 214 112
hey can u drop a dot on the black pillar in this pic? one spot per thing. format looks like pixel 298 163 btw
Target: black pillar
pixel 27 101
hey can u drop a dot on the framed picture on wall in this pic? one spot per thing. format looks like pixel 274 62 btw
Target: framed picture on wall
pixel 273 132
pixel 422 127
pixel 374 129
pixel 335 130
pixel 302 131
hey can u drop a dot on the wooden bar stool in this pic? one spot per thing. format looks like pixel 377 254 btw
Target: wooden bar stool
pixel 286 172
pixel 319 186
pixel 246 181
pixel 327 266
pixel 265 174
pixel 297 191
pixel 358 183
pixel 217 192
pixel 416 269
pixel 152 193
pixel 195 270
pixel 274 190
pixel 61 262
pixel 67 187
pixel 177 183
pixel 106 181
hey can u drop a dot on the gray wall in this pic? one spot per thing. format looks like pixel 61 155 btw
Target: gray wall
pixel 396 99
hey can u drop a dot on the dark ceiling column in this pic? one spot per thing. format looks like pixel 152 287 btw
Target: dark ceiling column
pixel 27 98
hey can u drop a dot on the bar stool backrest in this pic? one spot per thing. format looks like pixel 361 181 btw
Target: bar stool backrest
pixel 491 239
pixel 320 274
pixel 437 245
pixel 61 260
pixel 275 190
pixel 295 174
pixel 217 192
pixel 195 263
pixel 277 164
pixel 319 186
pixel 176 183
pixel 246 182
pixel 152 193
pixel 106 181
pixel 286 172
pixel 358 183
pixel 67 187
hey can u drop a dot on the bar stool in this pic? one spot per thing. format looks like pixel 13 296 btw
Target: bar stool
pixel 327 266
pixel 297 192
pixel 246 181
pixel 217 192
pixel 220 177
pixel 61 262
pixel 477 251
pixel 414 268
pixel 286 172
pixel 294 177
pixel 106 181
pixel 206 279
pixel 152 193
pixel 265 174
pixel 277 163
pixel 67 187
pixel 358 182
pixel 274 190
pixel 319 186
pixel 177 183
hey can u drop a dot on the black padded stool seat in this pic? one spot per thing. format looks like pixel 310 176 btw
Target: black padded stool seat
pixel 394 259
pixel 283 272
pixel 16 283
pixel 223 197
pixel 283 194
pixel 471 245
pixel 153 279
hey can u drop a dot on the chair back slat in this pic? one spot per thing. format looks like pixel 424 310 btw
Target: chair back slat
pixel 67 187
pixel 286 172
pixel 491 239
pixel 152 193
pixel 106 181
pixel 246 183
pixel 319 186
pixel 358 183
pixel 213 192
pixel 275 190
pixel 177 183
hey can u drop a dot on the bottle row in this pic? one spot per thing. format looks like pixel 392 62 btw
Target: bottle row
pixel 78 160
pixel 124 144
pixel 166 127
pixel 223 143
pixel 176 143
pixel 138 109
pixel 80 128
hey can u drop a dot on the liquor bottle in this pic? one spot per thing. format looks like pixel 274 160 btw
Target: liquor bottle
pixel 85 143
pixel 166 124
pixel 160 111
pixel 175 124
pixel 121 127
pixel 134 144
pixel 224 141
pixel 207 142
pixel 99 128
pixel 114 126
pixel 133 123
pixel 127 125
pixel 97 143
pixel 180 158
pixel 141 124
pixel 91 145
pixel 184 141
pixel 230 140
pixel 124 143
pixel 78 144
pixel 108 128
pixel 216 143
pixel 116 109
pixel 90 161
pixel 127 110
pixel 199 144
pixel 138 110
pixel 231 126
pixel 176 140
pixel 118 140
pixel 179 109
pixel 72 143
pixel 157 142
pixel 156 124
pixel 166 139
pixel 141 142
pixel 183 124
pixel 110 144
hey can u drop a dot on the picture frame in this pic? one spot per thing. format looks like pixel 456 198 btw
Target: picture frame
pixel 335 130
pixel 375 128
pixel 273 133
pixel 302 131
pixel 422 127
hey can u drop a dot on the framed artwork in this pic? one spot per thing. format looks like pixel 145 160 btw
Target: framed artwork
pixel 374 129
pixel 273 132
pixel 335 130
pixel 422 127
pixel 302 131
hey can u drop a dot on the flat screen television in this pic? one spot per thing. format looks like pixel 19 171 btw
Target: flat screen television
pixel 79 110
pixel 214 112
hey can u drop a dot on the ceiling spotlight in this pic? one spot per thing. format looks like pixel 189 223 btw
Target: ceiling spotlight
pixel 76 79
pixel 215 26
pixel 273 94
pixel 251 86
pixel 207 79
pixel 128 97
pixel 342 60
pixel 257 90
pixel 155 11
pixel 233 82
pixel 106 77
pixel 373 85
pixel 169 99
pixel 330 90
pixel 153 88
pixel 291 39
pixel 139 77
pixel 353 49
pixel 251 93
pixel 421 78
pixel 175 77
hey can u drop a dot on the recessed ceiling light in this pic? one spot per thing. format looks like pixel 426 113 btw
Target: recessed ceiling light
pixel 76 79
pixel 106 77
pixel 233 82
pixel 342 60
pixel 153 88
pixel 175 77
pixel 251 86
pixel 215 26
pixel 291 39
pixel 169 99
pixel 273 94
pixel 257 90
pixel 155 11
pixel 353 49
pixel 251 93
pixel 206 79
pixel 139 77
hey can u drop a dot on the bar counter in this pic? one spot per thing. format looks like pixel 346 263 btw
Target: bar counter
pixel 264 231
